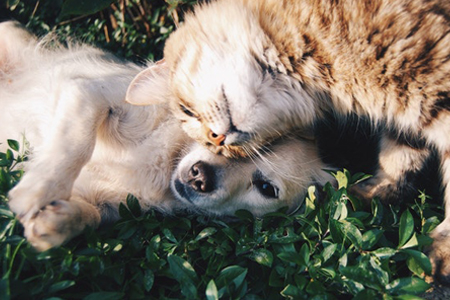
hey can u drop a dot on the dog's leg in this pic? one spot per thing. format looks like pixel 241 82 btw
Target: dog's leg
pixel 67 147
pixel 397 162
pixel 59 221
pixel 13 38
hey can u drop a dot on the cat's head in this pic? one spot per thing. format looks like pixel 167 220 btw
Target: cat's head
pixel 227 83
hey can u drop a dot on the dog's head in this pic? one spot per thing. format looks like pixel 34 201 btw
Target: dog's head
pixel 278 177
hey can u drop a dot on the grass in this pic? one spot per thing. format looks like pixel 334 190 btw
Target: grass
pixel 332 250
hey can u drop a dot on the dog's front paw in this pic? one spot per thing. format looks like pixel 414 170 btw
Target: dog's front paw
pixel 32 194
pixel 439 253
pixel 53 225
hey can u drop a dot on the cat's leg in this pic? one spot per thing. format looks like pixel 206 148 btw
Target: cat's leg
pixel 66 148
pixel 59 221
pixel 440 250
pixel 399 162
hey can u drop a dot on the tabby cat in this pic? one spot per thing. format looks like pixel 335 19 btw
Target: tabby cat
pixel 243 72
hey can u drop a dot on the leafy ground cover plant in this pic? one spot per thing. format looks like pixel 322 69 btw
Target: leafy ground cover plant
pixel 335 249
pixel 134 29
pixel 331 250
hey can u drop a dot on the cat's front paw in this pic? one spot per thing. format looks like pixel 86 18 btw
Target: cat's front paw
pixel 439 253
pixel 386 190
pixel 53 225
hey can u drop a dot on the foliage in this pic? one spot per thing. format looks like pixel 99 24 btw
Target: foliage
pixel 133 29
pixel 331 250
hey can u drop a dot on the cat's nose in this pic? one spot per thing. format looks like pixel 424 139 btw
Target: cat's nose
pixel 201 177
pixel 216 139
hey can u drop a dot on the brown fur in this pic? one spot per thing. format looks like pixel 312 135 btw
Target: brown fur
pixel 293 60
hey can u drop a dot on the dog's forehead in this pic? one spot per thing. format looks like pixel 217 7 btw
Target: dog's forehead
pixel 288 158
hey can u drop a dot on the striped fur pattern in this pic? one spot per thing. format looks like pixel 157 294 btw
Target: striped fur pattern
pixel 245 72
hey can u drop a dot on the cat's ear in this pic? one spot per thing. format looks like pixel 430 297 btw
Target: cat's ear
pixel 150 86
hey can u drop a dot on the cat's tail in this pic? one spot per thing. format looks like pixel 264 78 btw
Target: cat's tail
pixel 14 39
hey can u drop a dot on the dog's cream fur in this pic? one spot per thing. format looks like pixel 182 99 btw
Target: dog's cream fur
pixel 89 148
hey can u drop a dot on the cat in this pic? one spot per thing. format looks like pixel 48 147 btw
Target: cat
pixel 89 149
pixel 245 72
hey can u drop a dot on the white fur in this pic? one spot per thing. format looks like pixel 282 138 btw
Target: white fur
pixel 89 148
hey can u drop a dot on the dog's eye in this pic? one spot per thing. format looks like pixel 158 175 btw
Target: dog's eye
pixel 186 111
pixel 266 188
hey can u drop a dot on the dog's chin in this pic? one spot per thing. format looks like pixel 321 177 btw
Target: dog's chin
pixel 181 192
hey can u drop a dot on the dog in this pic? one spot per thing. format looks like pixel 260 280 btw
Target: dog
pixel 88 148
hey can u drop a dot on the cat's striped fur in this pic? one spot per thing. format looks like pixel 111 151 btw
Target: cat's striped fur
pixel 246 71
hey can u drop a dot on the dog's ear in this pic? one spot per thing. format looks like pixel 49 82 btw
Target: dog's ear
pixel 150 86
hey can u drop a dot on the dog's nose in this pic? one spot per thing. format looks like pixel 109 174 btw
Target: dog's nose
pixel 216 139
pixel 201 177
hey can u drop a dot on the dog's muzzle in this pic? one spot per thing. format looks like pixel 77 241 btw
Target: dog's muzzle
pixel 198 182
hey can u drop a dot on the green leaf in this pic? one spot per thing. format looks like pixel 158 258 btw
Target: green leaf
pixel 341 211
pixel 232 275
pixel 5 292
pixel 244 215
pixel 205 233
pixel 359 177
pixel 274 277
pixel 61 286
pixel 417 262
pixel 83 7
pixel 292 292
pixel 328 251
pixel 342 179
pixel 335 231
pixel 384 253
pixel 305 253
pixel 351 232
pixel 363 274
pixel 169 235
pixel 263 257
pixel 413 242
pixel 133 205
pixel 124 212
pixel 6 213
pixel 406 228
pixel 430 224
pixel 291 257
pixel 9 155
pixel 13 145
pixel 183 272
pixel 377 212
pixel 370 238
pixel 211 291
pixel 5 163
pixel 105 296
pixel 412 285
pixel 408 297
pixel 365 294
pixel 127 230
pixel 149 279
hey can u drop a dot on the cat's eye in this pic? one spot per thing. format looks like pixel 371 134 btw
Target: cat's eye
pixel 266 188
pixel 186 111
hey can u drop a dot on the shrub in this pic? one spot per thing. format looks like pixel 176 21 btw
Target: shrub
pixel 334 249
pixel 331 250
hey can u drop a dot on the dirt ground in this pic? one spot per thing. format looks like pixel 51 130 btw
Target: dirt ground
pixel 437 291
